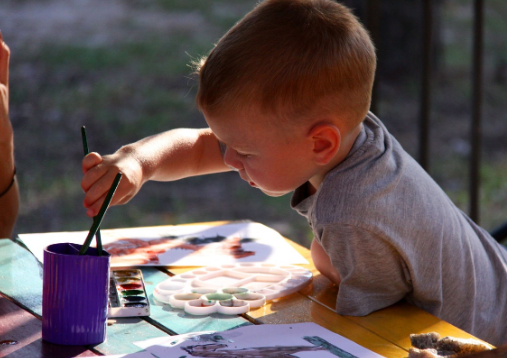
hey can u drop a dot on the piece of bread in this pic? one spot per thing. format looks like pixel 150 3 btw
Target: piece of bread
pixel 430 345
pixel 461 345
pixel 425 340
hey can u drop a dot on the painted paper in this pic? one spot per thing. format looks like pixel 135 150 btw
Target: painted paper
pixel 181 245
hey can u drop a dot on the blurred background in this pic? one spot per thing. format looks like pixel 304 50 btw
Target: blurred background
pixel 121 68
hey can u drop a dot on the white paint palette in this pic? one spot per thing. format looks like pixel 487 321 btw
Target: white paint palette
pixel 231 288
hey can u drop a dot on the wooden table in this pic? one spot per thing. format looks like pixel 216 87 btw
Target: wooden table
pixel 385 332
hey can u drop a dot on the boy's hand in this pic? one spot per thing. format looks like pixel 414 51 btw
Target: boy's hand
pixel 5 124
pixel 99 173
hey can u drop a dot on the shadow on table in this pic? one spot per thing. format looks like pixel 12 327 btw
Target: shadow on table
pixel 42 349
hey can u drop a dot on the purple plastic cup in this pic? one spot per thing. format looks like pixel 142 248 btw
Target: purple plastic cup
pixel 74 295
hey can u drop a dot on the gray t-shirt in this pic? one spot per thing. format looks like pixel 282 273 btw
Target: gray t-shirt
pixel 392 234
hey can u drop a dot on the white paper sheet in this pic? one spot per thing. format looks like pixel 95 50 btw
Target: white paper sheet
pixel 132 355
pixel 303 340
pixel 181 245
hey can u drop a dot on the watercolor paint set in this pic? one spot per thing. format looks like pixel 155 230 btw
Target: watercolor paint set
pixel 127 294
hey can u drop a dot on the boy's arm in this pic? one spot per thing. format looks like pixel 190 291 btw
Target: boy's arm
pixel 373 273
pixel 9 197
pixel 167 156
pixel 323 263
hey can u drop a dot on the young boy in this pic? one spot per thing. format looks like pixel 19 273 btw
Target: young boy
pixel 286 94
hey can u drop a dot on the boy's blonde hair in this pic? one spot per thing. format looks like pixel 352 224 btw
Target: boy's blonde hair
pixel 291 59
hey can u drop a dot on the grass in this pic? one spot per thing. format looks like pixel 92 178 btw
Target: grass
pixel 129 89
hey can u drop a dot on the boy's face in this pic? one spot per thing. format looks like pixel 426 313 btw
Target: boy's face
pixel 275 160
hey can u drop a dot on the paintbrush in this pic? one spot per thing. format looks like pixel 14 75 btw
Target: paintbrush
pixel 86 151
pixel 98 219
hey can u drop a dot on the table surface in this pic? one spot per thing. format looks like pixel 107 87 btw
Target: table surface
pixel 385 331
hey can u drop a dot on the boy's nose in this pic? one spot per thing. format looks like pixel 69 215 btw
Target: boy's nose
pixel 231 160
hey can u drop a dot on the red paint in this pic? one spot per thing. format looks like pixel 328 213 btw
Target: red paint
pixel 8 342
pixel 130 286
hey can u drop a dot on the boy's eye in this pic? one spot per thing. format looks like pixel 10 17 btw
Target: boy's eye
pixel 242 154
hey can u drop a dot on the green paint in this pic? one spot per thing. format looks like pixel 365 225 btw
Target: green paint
pixel 132 293
pixel 219 296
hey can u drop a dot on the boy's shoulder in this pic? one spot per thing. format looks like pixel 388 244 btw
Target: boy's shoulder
pixel 374 181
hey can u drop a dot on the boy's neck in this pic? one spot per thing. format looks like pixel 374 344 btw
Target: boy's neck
pixel 347 141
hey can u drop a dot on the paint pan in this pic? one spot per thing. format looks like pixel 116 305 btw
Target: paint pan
pixel 127 294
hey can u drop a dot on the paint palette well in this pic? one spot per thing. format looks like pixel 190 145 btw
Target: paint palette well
pixel 127 294
pixel 249 285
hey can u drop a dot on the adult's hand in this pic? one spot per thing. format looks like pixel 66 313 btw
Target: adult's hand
pixel 5 124
pixel 9 196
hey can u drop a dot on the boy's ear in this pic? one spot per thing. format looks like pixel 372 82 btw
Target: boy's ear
pixel 326 140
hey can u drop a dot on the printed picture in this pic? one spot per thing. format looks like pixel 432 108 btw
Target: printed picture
pixel 300 340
